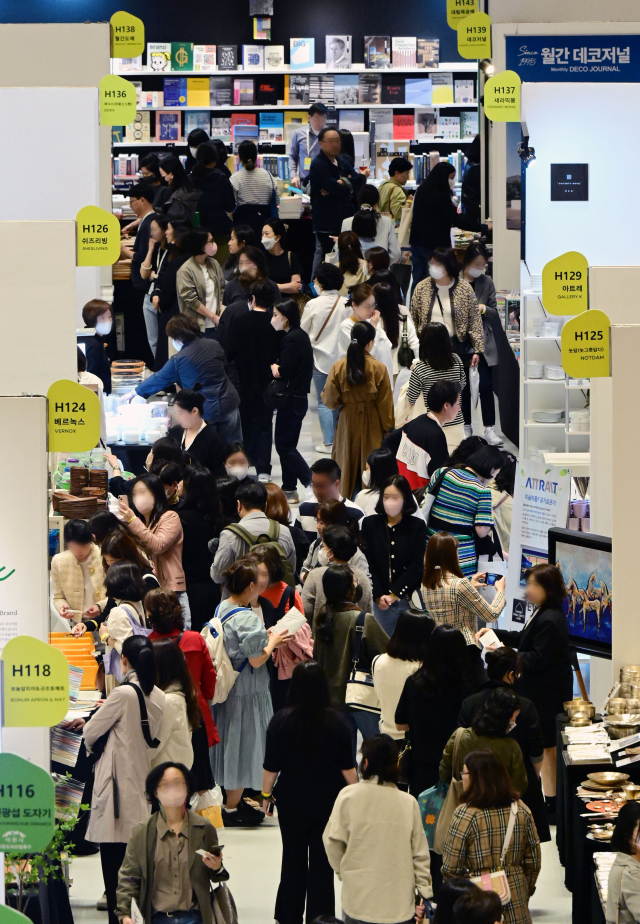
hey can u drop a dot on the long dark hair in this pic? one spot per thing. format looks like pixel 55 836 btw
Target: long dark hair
pixel 437 181
pixel 362 333
pixel 435 346
pixel 444 658
pixel 387 304
pixel 337 584
pixel 244 234
pixel 206 155
pixel 173 165
pixel 172 668
pixel 410 636
pixel 138 651
pixel 626 824
pixel 365 222
pixel 492 718
pixel 160 502
pixel 349 252
pixel 122 546
pixel 383 464
pixel 308 706
pixel 440 560
pixel 201 494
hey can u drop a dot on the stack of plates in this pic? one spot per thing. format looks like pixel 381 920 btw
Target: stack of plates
pixel 78 479
pixel 125 375
pixel 78 508
pixel 579 421
pixel 535 369
pixel 547 415
pixel 556 373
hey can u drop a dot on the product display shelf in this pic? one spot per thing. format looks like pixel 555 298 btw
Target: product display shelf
pixel 299 106
pixel 445 67
pixel 172 144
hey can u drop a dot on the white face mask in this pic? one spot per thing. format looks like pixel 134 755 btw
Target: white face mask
pixel 366 479
pixel 393 507
pixel 475 273
pixel 237 471
pixel 176 344
pixel 277 323
pixel 104 327
pixel 269 243
pixel 173 796
pixel 452 183
pixel 193 151
pixel 323 558
pixel 144 504
pixel 436 271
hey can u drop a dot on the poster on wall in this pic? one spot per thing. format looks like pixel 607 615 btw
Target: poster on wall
pixel 540 502
pixel 574 58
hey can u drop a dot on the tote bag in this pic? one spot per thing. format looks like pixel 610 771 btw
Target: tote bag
pixel 452 799
pixel 497 881
pixel 360 693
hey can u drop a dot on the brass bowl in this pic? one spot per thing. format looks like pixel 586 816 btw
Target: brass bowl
pixel 631 791
pixel 630 673
pixel 606 777
pixel 581 709
pixel 580 722
pixel 625 689
pixel 633 705
pixel 622 729
pixel 602 835
pixel 617 706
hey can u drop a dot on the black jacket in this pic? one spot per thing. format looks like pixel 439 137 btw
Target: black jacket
pixel 140 250
pixel 207 448
pixel 233 292
pixel 296 360
pixel 216 199
pixel 251 344
pixel 166 282
pixel 434 215
pixel 426 434
pixel 98 361
pixel 196 557
pixel 399 549
pixel 328 212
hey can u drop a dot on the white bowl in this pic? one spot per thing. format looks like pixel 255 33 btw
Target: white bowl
pixel 130 436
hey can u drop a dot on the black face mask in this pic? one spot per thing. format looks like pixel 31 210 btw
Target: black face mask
pixel 357 596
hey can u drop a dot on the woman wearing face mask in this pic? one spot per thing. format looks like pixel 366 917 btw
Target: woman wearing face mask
pixel 434 215
pixel 238 295
pixel 97 314
pixel 77 576
pixel 183 199
pixel 338 547
pixel 255 189
pixel 149 269
pixel 192 432
pixel 165 288
pixel 159 531
pixel 334 513
pixel 285 268
pixel 236 462
pixel 241 236
pixel 381 464
pixel 200 282
pixel 216 202
pixel 362 301
pixel 295 369
pixel 195 138
pixel 394 542
pixel 360 387
pixel 163 883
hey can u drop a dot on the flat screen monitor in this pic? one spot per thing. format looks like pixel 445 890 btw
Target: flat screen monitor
pixel 585 562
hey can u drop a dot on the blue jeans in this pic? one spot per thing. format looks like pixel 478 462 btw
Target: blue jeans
pixel 178 917
pixel 151 323
pixel 388 618
pixel 229 427
pixel 419 264
pixel 348 920
pixel 186 609
pixel 328 419
pixel 367 723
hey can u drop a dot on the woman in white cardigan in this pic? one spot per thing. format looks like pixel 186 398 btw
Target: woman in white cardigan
pixel 182 713
pixel 376 844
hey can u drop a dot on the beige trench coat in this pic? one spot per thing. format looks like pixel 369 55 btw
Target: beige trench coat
pixel 68 581
pixel 126 759
pixel 366 414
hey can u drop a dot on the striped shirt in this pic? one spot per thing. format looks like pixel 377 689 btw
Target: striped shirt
pixel 457 603
pixel 423 376
pixel 465 502
pixel 254 187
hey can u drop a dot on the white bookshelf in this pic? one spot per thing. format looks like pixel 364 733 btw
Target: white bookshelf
pixel 467 67
pixel 299 106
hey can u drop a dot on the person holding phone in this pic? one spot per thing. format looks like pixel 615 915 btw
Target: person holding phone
pixel 172 857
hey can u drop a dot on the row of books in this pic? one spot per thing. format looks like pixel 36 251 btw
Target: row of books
pixel 330 89
pixel 380 51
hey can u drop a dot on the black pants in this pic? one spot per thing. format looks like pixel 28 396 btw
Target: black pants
pixel 201 770
pixel 257 421
pixel 487 402
pixel 288 425
pixel 306 873
pixel 111 857
pixel 203 600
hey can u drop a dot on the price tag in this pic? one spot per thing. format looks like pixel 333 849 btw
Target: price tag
pixel 74 418
pixel 565 284
pixel 457 10
pixel 36 683
pixel 502 97
pixel 97 237
pixel 27 805
pixel 127 35
pixel 117 101
pixel 586 345
pixel 474 36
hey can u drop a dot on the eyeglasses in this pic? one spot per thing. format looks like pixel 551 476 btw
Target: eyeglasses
pixel 464 773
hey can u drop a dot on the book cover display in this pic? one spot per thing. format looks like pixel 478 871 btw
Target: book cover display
pixel 269 92
pixel 193 120
pixel 442 91
pixel 392 90
pixel 272 127
pixel 449 127
pixel 181 56
pixel 204 58
pixel 296 89
pixel 468 124
pixel 159 56
pixel 243 92
pixel 221 128
pixel 426 124
pixel 377 51
pixel 198 91
pixel 321 89
pixel 175 91
pixel 302 53
pixel 369 87
pixel 403 51
pixel 403 127
pixel 227 57
pixel 253 57
pixel 168 126
pixel 345 89
pixel 262 28
pixel 428 53
pixel 274 57
pixel 418 91
pixel 383 119
pixel 139 130
pixel 351 119
pixel 464 91
pixel 260 7
pixel 220 91
pixel 338 52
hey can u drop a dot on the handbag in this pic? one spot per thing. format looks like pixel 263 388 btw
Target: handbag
pixel 452 799
pixel 404 228
pixel 278 393
pixel 99 745
pixel 405 352
pixel 223 906
pixel 430 802
pixel 497 881
pixel 299 298
pixel 360 693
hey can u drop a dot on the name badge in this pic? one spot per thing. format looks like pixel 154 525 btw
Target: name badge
pixel 307 163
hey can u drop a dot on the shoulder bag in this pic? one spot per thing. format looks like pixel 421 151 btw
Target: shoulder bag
pixel 432 494
pixel 223 906
pixel 327 319
pixel 98 747
pixel 299 297
pixel 405 353
pixel 360 693
pixel 452 799
pixel 497 881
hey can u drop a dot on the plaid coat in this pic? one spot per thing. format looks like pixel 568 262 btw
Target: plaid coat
pixel 464 308
pixel 458 603
pixel 473 846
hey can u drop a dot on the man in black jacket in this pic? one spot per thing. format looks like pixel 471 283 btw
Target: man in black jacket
pixel 141 198
pixel 332 179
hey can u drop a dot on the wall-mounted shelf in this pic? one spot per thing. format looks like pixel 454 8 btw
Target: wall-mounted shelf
pixel 152 143
pixel 298 106
pixel 468 67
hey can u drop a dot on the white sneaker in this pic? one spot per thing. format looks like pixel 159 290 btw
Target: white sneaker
pixel 310 497
pixel 492 437
pixel 468 431
pixel 264 478
pixel 325 450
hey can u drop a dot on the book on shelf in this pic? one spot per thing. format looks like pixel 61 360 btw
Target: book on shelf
pixel 274 57
pixel 295 117
pixel 168 126
pixel 138 87
pixel 346 89
pixel 332 117
pixel 227 57
pixel 418 91
pixel 140 128
pixel 151 99
pixel 449 127
pixel 377 51
pixel 426 124
pixel 262 28
pixel 421 167
pixel 116 134
pixel 127 65
pixel 204 58
pixel 243 92
pixel 464 91
pixel 242 118
pixel 302 53
pixel 403 126
pixel 385 151
pixel 181 56
pixel 361 148
pixel 369 88
pixel 241 133
pixel 194 120
pixel 296 89
pixel 393 91
pixel 260 7
pixel 220 91
pixel 442 91
pixel 272 127
pixel 175 91
pixel 383 119
pixel 403 51
pixel 269 92
pixel 337 52
pixel 198 91
pixel 221 128
pixel 159 56
pixel 351 119
pixel 428 54
pixel 253 57
pixel 469 124
pixel 321 89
